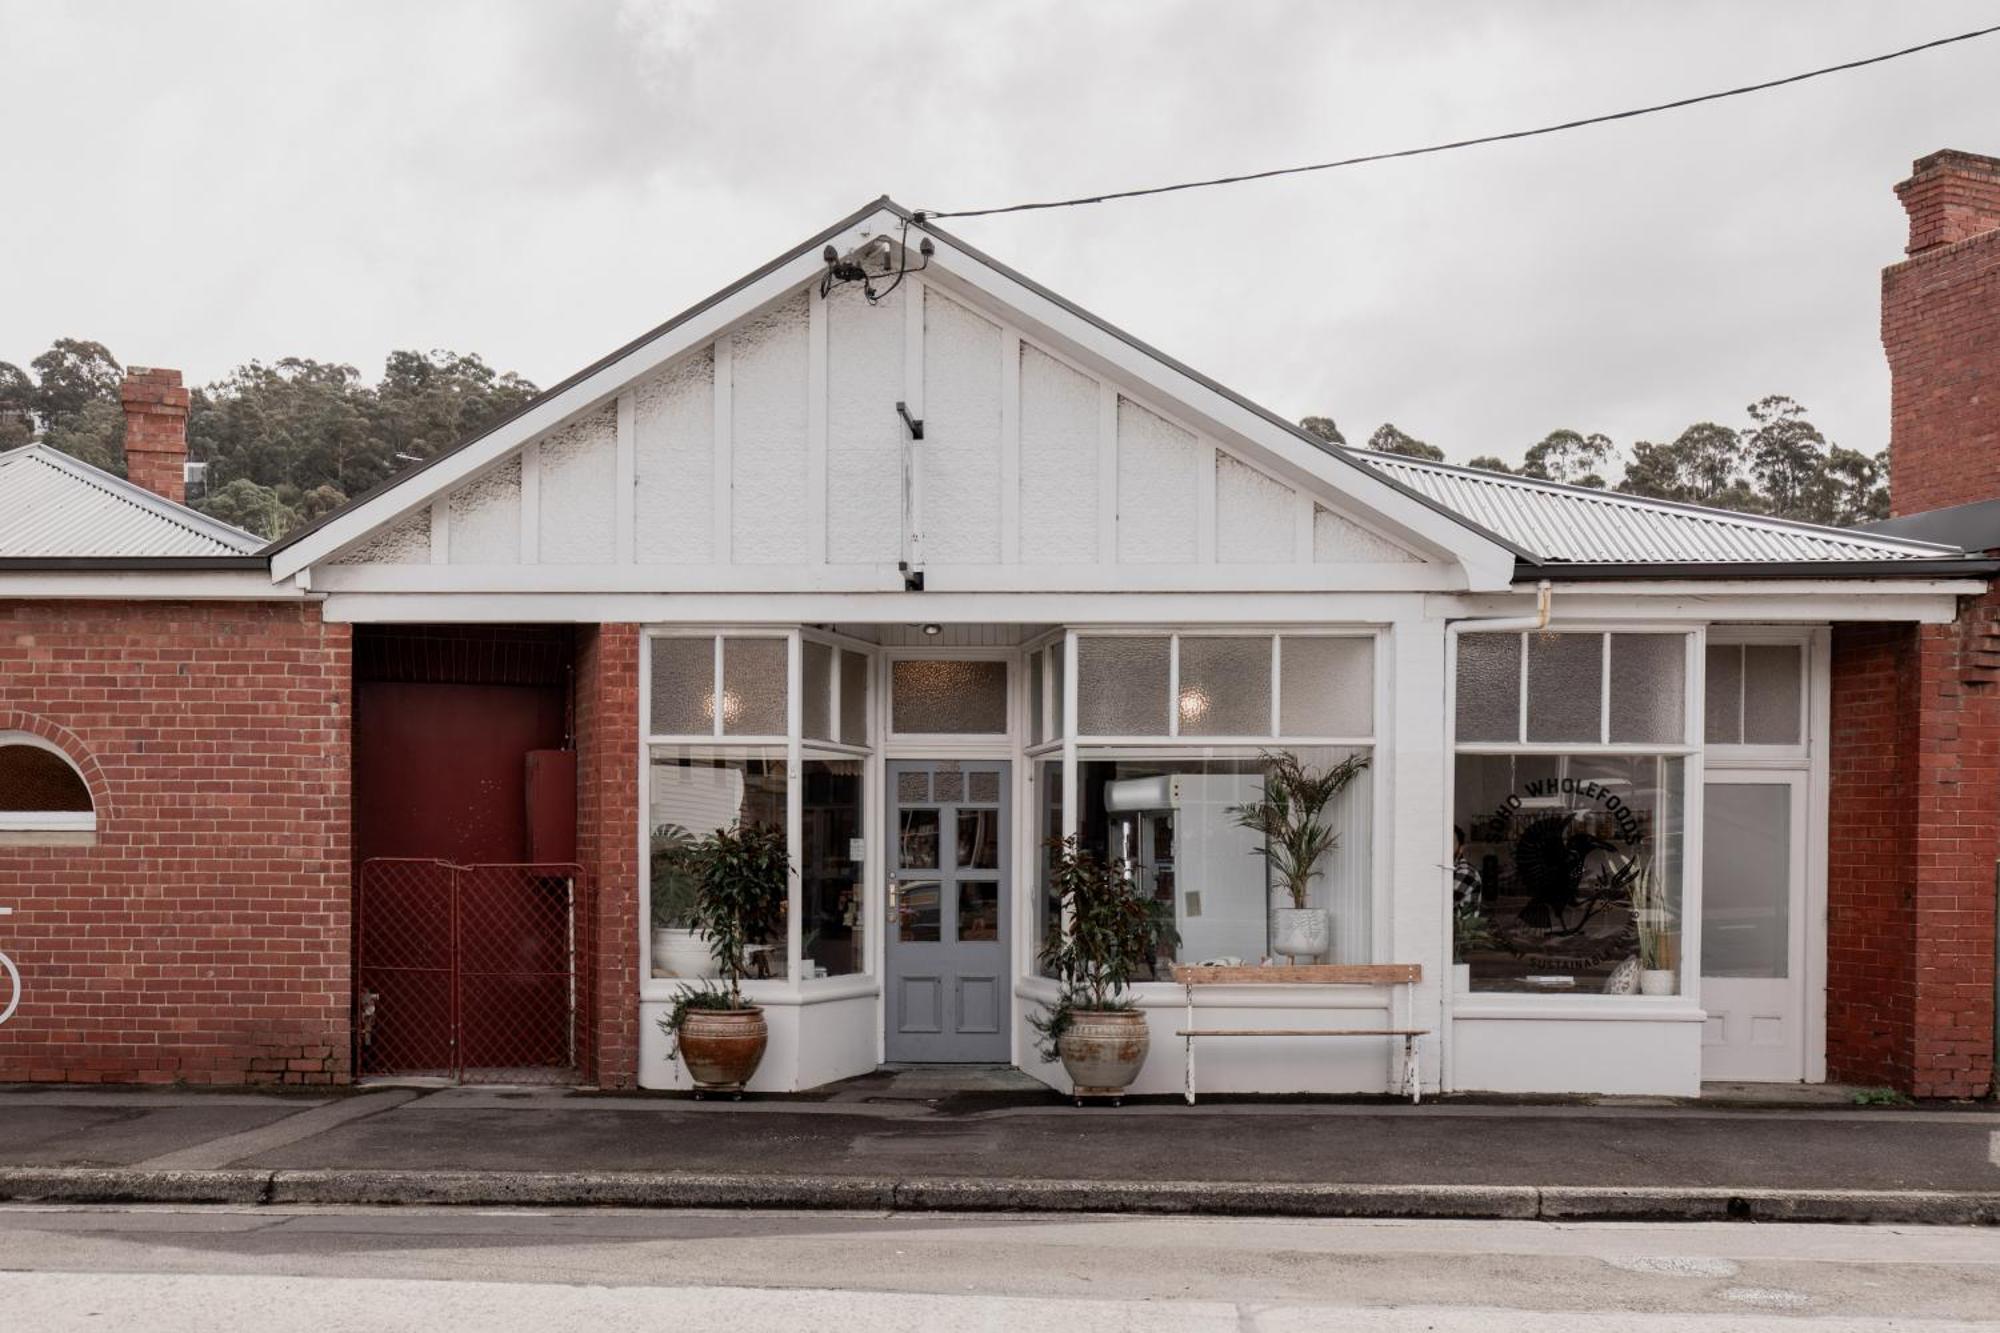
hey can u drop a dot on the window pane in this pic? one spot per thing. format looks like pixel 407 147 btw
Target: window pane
pixel 1746 885
pixel 853 698
pixel 1122 686
pixel 753 687
pixel 917 840
pixel 1577 859
pixel 1565 687
pixel 1723 708
pixel 1036 712
pixel 38 781
pixel 979 909
pixel 692 795
pixel 831 828
pixel 1772 690
pixel 683 687
pixel 1172 820
pixel 978 840
pixel 1047 794
pixel 1058 723
pixel 1225 686
pixel 1326 686
pixel 936 697
pixel 817 706
pixel 918 919
pixel 1646 687
pixel 1489 687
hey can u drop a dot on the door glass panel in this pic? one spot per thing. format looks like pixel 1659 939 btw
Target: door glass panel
pixel 1746 880
pixel 913 788
pixel 979 909
pixel 983 787
pixel 979 840
pixel 939 697
pixel 917 840
pixel 950 786
pixel 918 918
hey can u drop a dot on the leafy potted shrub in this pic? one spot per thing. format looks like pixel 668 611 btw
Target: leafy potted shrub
pixel 1295 838
pixel 739 877
pixel 677 950
pixel 1094 1027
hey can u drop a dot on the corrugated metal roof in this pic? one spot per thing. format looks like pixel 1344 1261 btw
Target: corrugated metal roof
pixel 53 506
pixel 1577 524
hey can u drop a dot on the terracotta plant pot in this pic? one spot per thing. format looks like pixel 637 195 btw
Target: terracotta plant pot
pixel 722 1047
pixel 1103 1051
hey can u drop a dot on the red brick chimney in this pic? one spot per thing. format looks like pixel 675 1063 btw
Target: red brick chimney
pixel 1941 328
pixel 156 408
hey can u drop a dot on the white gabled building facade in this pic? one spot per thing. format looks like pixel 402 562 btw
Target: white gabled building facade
pixel 932 565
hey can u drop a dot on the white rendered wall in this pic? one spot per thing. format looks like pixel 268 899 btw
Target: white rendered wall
pixel 1556 1053
pixel 1059 425
pixel 961 449
pixel 812 1043
pixel 864 436
pixel 767 485
pixel 1253 515
pixel 674 462
pixel 578 490
pixel 1159 488
pixel 485 526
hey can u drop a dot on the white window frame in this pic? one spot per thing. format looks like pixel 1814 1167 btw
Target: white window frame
pixel 1689 750
pixel 67 822
pixel 1805 639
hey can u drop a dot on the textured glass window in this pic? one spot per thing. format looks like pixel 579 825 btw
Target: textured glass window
pixel 818 702
pixel 1647 687
pixel 1565 687
pixel 753 687
pixel 936 696
pixel 1121 686
pixel 1037 729
pixel 1225 686
pixel 683 687
pixel 1773 689
pixel 853 698
pixel 1326 686
pixel 1489 687
pixel 1058 721
pixel 1723 707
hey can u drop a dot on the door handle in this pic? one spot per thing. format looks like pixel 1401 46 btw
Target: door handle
pixel 892 899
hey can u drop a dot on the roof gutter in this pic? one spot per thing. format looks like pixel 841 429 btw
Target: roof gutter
pixel 1739 570
pixel 128 564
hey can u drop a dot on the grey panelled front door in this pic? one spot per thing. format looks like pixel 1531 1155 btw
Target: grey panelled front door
pixel 948 900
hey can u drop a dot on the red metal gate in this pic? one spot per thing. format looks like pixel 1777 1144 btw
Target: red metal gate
pixel 474 973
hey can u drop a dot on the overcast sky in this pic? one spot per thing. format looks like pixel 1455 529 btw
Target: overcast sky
pixel 200 184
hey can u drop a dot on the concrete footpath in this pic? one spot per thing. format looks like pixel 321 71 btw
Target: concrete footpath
pixel 981 1140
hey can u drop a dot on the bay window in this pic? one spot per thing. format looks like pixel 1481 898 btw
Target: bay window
pixel 1570 810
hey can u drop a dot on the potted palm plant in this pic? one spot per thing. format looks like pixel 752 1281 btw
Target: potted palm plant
pixel 1469 935
pixel 1295 838
pixel 1658 927
pixel 739 877
pixel 677 950
pixel 1094 1027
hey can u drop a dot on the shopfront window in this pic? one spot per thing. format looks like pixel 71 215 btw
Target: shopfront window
pixel 1569 812
pixel 726 748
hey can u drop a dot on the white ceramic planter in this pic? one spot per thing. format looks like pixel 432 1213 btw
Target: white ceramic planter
pixel 1658 981
pixel 682 953
pixel 1300 932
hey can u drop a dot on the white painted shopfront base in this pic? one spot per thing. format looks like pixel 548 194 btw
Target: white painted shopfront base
pixel 1330 1065
pixel 828 1032
pixel 1620 1048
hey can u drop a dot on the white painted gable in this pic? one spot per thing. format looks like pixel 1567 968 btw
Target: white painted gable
pixel 768 452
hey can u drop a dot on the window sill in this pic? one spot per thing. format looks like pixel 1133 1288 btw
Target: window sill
pixel 1475 1005
pixel 58 836
pixel 771 994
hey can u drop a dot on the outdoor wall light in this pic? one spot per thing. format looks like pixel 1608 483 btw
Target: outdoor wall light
pixel 932 631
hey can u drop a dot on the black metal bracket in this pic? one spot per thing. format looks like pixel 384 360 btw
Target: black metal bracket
pixel 913 579
pixel 916 426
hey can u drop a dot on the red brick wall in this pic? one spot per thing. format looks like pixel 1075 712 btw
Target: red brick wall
pixel 1941 329
pixel 204 937
pixel 1915 837
pixel 607 743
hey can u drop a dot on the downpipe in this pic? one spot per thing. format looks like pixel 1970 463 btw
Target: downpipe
pixel 1448 1053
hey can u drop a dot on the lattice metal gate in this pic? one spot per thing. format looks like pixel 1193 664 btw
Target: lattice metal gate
pixel 473 973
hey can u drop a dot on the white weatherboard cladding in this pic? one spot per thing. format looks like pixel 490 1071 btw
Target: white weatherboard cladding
pixel 769 411
pixel 1254 515
pixel 486 518
pixel 579 490
pixel 1340 540
pixel 674 463
pixel 961 447
pixel 864 436
pixel 404 542
pixel 1159 488
pixel 1058 461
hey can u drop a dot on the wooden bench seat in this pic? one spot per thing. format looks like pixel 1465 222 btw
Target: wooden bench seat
pixel 1401 976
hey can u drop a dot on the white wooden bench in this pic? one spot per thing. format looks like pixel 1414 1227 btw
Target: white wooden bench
pixel 1401 977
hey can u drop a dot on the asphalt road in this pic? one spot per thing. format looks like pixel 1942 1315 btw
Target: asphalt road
pixel 221 1270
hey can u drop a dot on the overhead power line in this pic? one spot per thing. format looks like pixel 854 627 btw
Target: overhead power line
pixel 1461 143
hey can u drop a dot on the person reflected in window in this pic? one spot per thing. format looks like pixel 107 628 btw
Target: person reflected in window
pixel 1465 886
